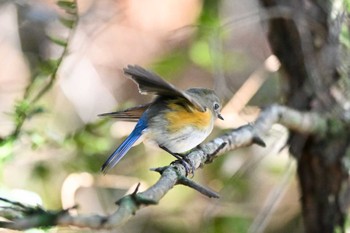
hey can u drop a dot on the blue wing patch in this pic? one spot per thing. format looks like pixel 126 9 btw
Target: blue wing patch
pixel 119 153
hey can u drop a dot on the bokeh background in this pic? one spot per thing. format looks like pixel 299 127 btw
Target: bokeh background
pixel 54 158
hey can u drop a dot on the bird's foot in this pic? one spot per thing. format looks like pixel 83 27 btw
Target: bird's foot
pixel 189 167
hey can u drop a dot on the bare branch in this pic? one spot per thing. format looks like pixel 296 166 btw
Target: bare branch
pixel 175 173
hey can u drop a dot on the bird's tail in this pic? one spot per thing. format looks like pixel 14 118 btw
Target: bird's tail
pixel 119 153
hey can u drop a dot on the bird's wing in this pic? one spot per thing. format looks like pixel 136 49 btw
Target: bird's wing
pixel 131 114
pixel 150 83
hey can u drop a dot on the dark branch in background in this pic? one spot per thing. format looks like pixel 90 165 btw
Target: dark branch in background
pixel 308 47
pixel 21 217
pixel 27 107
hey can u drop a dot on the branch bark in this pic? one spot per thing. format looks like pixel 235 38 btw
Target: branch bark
pixel 306 123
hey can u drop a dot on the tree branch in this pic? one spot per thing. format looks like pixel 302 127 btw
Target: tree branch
pixel 175 173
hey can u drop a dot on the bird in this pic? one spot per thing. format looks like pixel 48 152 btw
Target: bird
pixel 176 120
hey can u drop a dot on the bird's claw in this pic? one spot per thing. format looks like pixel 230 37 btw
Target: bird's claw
pixel 189 167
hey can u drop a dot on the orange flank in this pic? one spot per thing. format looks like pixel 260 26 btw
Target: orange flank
pixel 180 117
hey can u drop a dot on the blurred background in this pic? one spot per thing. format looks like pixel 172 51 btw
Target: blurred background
pixel 62 65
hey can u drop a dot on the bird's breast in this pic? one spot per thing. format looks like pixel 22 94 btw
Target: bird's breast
pixel 178 127
pixel 179 117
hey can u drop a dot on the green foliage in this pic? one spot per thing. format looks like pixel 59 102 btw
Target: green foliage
pixel 24 109
pixel 229 224
pixel 21 110
pixel 37 139
pixel 6 149
pixel 345 36
pixel 48 67
pixel 169 65
pixel 69 23
pixel 210 15
pixel 347 5
pixel 200 54
pixel 89 143
pixel 36 89
pixel 201 51
pixel 41 171
pixel 59 41
pixel 69 6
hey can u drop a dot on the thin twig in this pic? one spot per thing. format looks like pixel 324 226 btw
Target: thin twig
pixel 262 219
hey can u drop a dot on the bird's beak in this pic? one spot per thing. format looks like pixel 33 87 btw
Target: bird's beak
pixel 220 117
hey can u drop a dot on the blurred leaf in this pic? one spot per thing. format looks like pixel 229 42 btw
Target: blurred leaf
pixel 37 140
pixel 209 22
pixel 6 149
pixel 68 6
pixel 239 188
pixel 229 224
pixel 41 170
pixel 49 66
pixel 168 66
pixel 210 14
pixel 345 36
pixel 21 110
pixel 347 222
pixel 22 107
pixel 347 5
pixel 90 143
pixel 200 54
pixel 58 41
pixel 36 110
pixel 69 23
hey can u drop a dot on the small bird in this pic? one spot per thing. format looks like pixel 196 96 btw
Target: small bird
pixel 176 121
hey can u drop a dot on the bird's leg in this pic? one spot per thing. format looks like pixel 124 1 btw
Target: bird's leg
pixel 185 162
pixel 176 155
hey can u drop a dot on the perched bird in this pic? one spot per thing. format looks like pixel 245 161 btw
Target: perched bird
pixel 176 121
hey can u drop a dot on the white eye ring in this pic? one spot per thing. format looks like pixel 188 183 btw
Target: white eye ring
pixel 216 106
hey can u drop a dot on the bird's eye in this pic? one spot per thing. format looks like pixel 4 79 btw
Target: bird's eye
pixel 216 106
